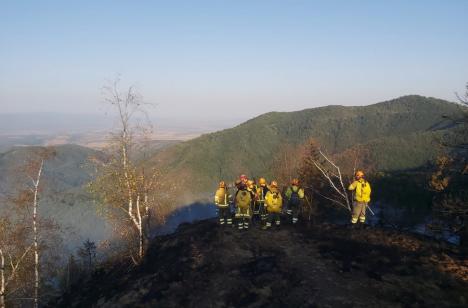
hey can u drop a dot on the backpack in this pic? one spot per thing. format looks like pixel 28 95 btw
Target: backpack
pixel 294 200
pixel 274 202
pixel 243 199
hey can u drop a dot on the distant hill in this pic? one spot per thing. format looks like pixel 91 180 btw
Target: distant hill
pixel 64 198
pixel 400 134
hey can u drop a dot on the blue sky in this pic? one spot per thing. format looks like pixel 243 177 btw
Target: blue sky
pixel 229 59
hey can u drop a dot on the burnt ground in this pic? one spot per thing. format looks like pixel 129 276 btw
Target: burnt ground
pixel 205 265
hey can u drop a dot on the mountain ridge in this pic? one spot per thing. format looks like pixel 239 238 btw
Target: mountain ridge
pixel 337 128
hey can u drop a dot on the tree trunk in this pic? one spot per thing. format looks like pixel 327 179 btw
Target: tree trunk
pixel 2 279
pixel 36 241
pixel 148 216
pixel 140 229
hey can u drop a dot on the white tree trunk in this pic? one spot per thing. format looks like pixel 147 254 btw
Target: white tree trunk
pixel 147 216
pixel 2 279
pixel 136 220
pixel 36 241
pixel 140 228
pixel 329 175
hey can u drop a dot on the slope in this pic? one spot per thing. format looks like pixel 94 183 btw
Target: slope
pixel 395 130
pixel 204 265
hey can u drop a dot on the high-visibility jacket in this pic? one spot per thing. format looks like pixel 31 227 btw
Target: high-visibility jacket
pixel 362 190
pixel 222 197
pixel 261 193
pixel 273 201
pixel 289 191
pixel 243 198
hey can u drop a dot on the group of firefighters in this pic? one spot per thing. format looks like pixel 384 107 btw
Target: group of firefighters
pixel 258 201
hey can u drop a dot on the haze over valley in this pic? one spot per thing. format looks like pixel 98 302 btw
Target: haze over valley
pixel 254 153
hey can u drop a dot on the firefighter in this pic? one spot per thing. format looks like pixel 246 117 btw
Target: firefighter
pixel 243 201
pixel 295 196
pixel 244 179
pixel 222 198
pixel 251 188
pixel 259 206
pixel 273 204
pixel 362 193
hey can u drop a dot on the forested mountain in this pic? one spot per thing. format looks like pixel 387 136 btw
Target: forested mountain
pixel 399 134
pixel 63 196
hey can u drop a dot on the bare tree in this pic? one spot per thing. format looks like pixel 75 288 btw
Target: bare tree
pixel 322 176
pixel 449 180
pixel 36 182
pixel 332 173
pixel 124 181
pixel 34 171
pixel 463 98
pixel 13 254
pixel 287 163
pixel 88 254
pixel 24 236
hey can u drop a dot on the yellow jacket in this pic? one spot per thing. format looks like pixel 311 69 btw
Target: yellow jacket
pixel 222 197
pixel 363 190
pixel 273 201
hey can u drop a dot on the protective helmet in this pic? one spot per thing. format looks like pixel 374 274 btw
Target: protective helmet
pixel 243 178
pixel 359 174
pixel 222 184
pixel 274 184
pixel 295 182
pixel 261 181
pixel 250 183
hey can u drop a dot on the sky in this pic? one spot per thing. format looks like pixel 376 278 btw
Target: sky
pixel 228 60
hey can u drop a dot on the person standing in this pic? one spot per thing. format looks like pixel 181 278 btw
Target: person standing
pixel 222 202
pixel 243 201
pixel 259 208
pixel 362 192
pixel 274 205
pixel 295 196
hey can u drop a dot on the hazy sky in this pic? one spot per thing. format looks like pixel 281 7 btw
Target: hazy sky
pixel 229 59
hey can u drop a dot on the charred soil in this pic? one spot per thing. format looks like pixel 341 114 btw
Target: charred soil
pixel 206 265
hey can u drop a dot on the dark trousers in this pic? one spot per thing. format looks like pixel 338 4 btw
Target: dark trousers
pixel 295 209
pixel 273 218
pixel 224 215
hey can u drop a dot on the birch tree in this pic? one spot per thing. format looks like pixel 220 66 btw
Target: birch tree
pixel 35 182
pixel 34 170
pixel 320 171
pixel 123 181
pixel 13 258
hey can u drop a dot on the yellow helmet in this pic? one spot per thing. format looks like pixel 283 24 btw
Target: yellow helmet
pixel 261 181
pixel 222 184
pixel 274 184
pixel 359 174
pixel 295 182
